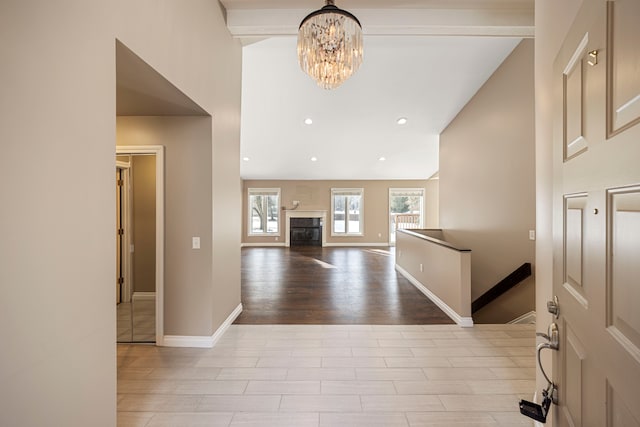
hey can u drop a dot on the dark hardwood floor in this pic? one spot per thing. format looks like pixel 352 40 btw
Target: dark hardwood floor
pixel 314 285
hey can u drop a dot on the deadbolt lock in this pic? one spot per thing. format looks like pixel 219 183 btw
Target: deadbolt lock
pixel 553 307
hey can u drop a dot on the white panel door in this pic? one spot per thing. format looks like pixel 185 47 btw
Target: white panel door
pixel 597 217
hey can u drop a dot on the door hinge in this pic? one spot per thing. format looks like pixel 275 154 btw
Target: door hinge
pixel 120 280
pixel 121 231
pixel 120 183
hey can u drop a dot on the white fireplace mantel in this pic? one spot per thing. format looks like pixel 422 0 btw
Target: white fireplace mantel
pixel 305 214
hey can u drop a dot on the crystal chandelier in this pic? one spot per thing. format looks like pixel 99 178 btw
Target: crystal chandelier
pixel 330 45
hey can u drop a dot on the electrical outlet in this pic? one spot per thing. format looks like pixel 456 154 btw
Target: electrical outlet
pixel 276 239
pixel 379 234
pixel 195 243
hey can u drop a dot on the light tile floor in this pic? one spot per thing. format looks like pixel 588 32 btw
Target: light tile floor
pixel 136 321
pixel 342 375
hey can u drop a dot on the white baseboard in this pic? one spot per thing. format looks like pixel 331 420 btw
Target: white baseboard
pixel 357 244
pixel 225 325
pixel 465 322
pixel 282 244
pixel 525 319
pixel 143 296
pixel 202 341
pixel 187 341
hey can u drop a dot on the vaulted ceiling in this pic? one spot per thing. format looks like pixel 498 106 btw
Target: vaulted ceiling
pixel 423 61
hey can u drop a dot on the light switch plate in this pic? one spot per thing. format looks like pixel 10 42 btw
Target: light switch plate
pixel 195 243
pixel 532 234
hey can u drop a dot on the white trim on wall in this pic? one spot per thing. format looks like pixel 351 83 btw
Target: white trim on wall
pixel 465 322
pixel 525 319
pixel 127 270
pixel 158 151
pixel 202 341
pixel 187 341
pixel 225 325
pixel 282 245
pixel 143 296
pixel 378 244
pixel 257 245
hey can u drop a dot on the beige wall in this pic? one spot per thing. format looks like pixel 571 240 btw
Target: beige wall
pixel 57 316
pixel 143 186
pixel 487 182
pixel 188 213
pixel 432 201
pixel 442 270
pixel 316 195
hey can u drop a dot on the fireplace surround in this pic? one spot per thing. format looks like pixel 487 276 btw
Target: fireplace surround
pixel 319 214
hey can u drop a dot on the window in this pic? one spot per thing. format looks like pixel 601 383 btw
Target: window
pixel 406 209
pixel 347 211
pixel 264 211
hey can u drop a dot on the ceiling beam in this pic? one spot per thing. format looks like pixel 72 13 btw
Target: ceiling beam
pixel 517 22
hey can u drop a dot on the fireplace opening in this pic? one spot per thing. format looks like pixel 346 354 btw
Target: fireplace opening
pixel 305 232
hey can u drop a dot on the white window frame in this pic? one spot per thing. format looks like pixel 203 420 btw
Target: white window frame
pixel 262 192
pixel 346 191
pixel 422 206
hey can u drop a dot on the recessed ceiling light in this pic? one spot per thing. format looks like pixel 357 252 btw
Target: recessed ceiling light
pixel 246 159
pixel 308 121
pixel 314 159
pixel 382 159
pixel 401 121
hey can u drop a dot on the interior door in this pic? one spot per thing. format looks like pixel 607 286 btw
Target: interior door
pixel 119 236
pixel 597 217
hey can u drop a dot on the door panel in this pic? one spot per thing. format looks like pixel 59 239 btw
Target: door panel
pixel 597 217
pixel 623 34
pixel 574 356
pixel 573 248
pixel 618 414
pixel 624 268
pixel 573 97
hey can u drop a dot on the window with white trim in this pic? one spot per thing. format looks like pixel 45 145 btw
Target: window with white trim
pixel 347 212
pixel 406 209
pixel 264 212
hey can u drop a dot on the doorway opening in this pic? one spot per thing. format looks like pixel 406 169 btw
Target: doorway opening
pixel 140 243
pixel 406 210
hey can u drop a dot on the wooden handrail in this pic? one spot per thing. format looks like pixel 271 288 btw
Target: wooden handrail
pixel 518 275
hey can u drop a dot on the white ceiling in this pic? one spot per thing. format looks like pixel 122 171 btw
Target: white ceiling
pixel 424 60
pixel 425 79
